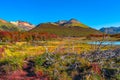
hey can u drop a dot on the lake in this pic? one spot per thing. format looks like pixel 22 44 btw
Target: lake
pixel 106 43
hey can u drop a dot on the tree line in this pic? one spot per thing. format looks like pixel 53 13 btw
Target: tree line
pixel 6 36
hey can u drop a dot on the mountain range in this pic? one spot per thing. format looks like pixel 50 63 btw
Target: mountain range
pixel 111 30
pixel 66 28
pixel 63 28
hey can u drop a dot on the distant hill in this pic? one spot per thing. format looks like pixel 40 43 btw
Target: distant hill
pixel 6 26
pixel 65 28
pixel 111 30
pixel 24 25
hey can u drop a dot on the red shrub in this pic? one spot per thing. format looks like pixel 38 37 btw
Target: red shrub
pixel 96 68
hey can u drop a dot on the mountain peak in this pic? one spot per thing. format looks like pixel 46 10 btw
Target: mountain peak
pixel 60 22
pixel 22 24
pixel 71 23
pixel 73 20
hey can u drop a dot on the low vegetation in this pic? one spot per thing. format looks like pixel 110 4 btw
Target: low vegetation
pixel 67 59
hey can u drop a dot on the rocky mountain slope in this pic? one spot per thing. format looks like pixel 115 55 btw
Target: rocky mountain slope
pixel 111 30
pixel 71 23
pixel 24 25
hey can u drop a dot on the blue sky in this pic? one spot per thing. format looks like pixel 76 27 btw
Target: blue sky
pixel 94 13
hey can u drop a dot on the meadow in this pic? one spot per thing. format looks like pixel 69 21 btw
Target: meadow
pixel 63 59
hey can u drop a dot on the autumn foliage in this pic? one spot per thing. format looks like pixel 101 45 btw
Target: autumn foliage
pixel 96 68
pixel 25 36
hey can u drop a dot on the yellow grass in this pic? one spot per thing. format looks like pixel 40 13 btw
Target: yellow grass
pixel 64 46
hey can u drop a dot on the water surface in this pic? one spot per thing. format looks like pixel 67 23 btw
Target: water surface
pixel 106 43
